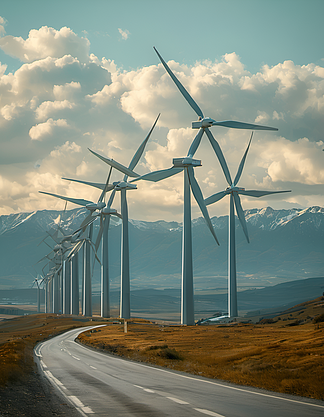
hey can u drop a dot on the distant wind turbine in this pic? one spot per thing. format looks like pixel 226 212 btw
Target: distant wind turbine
pixel 87 241
pixel 235 200
pixel 123 186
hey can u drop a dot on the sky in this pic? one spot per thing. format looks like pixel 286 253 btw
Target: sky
pixel 78 74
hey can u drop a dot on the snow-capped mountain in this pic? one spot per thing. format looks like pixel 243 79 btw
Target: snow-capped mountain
pixel 285 245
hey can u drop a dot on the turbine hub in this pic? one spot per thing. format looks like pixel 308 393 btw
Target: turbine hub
pixel 204 123
pixel 186 161
pixel 108 210
pixel 95 206
pixel 123 185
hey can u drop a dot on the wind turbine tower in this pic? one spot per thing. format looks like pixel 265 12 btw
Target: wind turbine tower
pixel 234 191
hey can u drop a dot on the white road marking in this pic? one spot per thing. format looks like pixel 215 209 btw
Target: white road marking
pixel 209 413
pixel 92 367
pixel 176 400
pixel 80 405
pixel 74 357
pixel 43 364
pixel 145 389
pixel 76 401
pixel 55 380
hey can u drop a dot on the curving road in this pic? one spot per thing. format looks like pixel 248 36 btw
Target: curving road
pixel 105 385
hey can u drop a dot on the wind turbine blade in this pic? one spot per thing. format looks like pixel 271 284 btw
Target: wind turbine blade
pixel 94 251
pixel 215 197
pixel 240 215
pixel 183 91
pixel 86 221
pixel 259 193
pixel 76 248
pixel 78 201
pixel 196 142
pixel 220 156
pixel 200 200
pixel 111 198
pixel 140 150
pixel 241 125
pixel 99 185
pixel 241 166
pixel 100 232
pixel 159 175
pixel 106 186
pixel 116 165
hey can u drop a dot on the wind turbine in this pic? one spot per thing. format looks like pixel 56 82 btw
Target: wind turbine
pixel 38 281
pixel 123 186
pixel 88 221
pixel 234 191
pixel 204 123
pixel 186 165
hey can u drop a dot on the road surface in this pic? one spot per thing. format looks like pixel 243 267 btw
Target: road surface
pixel 105 385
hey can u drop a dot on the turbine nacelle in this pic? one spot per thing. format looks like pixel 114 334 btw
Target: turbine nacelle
pixel 123 185
pixel 95 206
pixel 203 123
pixel 185 162
pixel 233 188
pixel 108 210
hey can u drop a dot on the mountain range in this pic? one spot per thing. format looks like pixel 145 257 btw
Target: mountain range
pixel 285 245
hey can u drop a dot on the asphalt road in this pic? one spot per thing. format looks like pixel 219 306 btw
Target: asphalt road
pixel 105 385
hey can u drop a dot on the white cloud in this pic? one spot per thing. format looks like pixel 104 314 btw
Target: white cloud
pixel 2 25
pixel 47 108
pixel 124 33
pixel 41 130
pixel 46 42
pixel 55 107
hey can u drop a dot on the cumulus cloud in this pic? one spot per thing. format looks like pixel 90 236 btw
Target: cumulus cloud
pixel 46 42
pixel 63 100
pixel 47 108
pixel 41 130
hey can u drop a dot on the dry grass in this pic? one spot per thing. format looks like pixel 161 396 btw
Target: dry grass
pixel 277 356
pixel 18 337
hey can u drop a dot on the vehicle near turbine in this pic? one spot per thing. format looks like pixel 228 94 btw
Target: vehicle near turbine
pixel 234 192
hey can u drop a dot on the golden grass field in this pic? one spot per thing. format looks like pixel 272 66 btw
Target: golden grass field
pixel 286 355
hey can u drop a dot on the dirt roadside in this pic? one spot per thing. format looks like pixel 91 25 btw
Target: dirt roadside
pixel 34 396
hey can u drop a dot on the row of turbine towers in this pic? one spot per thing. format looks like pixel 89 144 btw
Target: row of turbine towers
pixel 63 272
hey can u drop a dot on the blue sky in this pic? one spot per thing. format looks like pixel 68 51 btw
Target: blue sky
pixel 99 84
pixel 259 31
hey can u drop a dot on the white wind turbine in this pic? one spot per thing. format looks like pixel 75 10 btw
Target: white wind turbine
pixel 234 191
pixel 186 165
pixel 79 241
pixel 38 281
pixel 123 186
pixel 204 123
